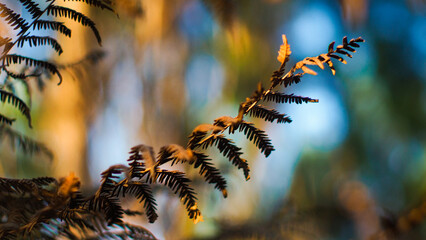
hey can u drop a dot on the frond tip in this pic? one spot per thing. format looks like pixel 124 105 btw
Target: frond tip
pixel 284 52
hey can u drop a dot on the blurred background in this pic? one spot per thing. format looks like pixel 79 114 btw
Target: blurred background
pixel 349 167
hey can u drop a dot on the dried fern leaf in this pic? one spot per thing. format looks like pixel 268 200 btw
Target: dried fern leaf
pixel 287 98
pixel 21 76
pixel 269 115
pixel 32 8
pixel 211 174
pixel 7 97
pixel 39 41
pixel 258 137
pixel 229 150
pixel 176 154
pixel 58 11
pixel 143 193
pixel 13 19
pixel 17 59
pixel 148 156
pixel 178 183
pixel 52 25
pixel 103 201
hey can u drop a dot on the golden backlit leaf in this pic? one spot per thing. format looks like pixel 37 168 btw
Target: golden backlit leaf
pixel 284 52
pixel 308 70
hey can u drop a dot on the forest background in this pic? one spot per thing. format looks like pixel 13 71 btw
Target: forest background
pixel 341 167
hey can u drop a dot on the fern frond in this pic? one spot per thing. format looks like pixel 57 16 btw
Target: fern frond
pixel 200 132
pixel 145 153
pixel 211 174
pixel 17 59
pixel 6 120
pixel 144 193
pixel 52 25
pixel 13 19
pixel 228 122
pixel 290 79
pixel 228 149
pixel 22 76
pixel 103 200
pixel 176 154
pixel 178 183
pixel 32 8
pixel 108 205
pixel 287 98
pixel 58 11
pixel 38 41
pixel 269 115
pixel 26 144
pixel 7 97
pixel 96 3
pixel 326 58
pixel 18 186
pixel 259 137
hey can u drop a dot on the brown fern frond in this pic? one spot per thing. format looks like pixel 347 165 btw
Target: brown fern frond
pixel 200 132
pixel 178 183
pixel 176 154
pixel 143 193
pixel 211 174
pixel 51 25
pixel 7 97
pixel 325 58
pixel 228 149
pixel 258 136
pixel 104 201
pixel 17 59
pixel 146 154
pixel 269 115
pixel 287 98
pixel 58 11
pixel 39 41
pixel 13 19
pixel 32 8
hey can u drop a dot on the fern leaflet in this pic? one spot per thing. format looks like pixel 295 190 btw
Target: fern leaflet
pixel 259 137
pixel 38 41
pixel 52 25
pixel 58 11
pixel 229 150
pixel 17 59
pixel 178 183
pixel 287 98
pixel 16 102
pixel 269 115
pixel 13 19
pixel 32 8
